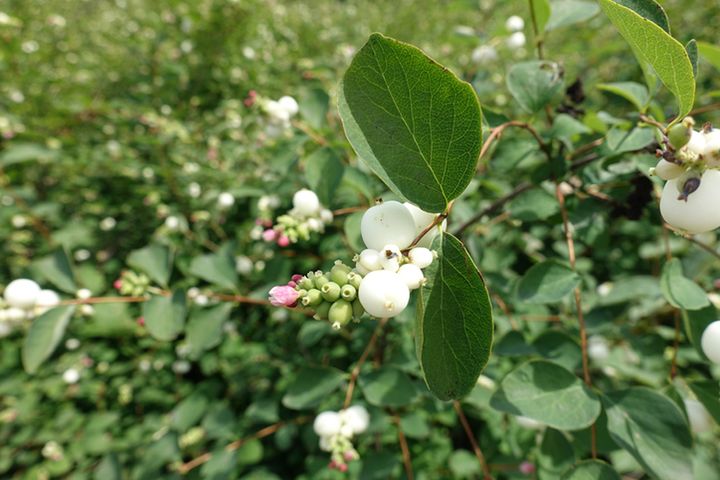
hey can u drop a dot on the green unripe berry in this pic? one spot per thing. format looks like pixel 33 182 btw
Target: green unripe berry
pixel 339 273
pixel 354 279
pixel 321 280
pixel 679 136
pixel 301 292
pixel 348 293
pixel 313 298
pixel 340 314
pixel 330 291
pixel 306 283
pixel 322 310
pixel 358 310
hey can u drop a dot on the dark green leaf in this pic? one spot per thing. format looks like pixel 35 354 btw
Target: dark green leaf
pixel 388 387
pixel 633 92
pixel 653 430
pixel 696 321
pixel 414 123
pixel 692 50
pixel 108 469
pixel 555 456
pixel 189 412
pixel 454 328
pixel 708 393
pixel 680 291
pixel 546 282
pixel 217 268
pixel 57 268
pixel 535 84
pixel 165 316
pixel 155 260
pixel 535 204
pixel 650 10
pixel 541 12
pixel 311 386
pixel 205 327
pixel 547 393
pixel 44 335
pixel 324 171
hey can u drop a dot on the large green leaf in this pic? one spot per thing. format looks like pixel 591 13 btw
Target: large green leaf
pixel 680 291
pixel 591 470
pixel 547 393
pixel 633 92
pixel 324 171
pixel 45 333
pixel 414 123
pixel 650 10
pixel 165 316
pixel 654 46
pixel 535 84
pixel 570 12
pixel 388 387
pixel 216 268
pixel 155 260
pixel 546 282
pixel 57 269
pixel 205 327
pixel 310 387
pixel 710 52
pixel 555 456
pixel 652 429
pixel 454 329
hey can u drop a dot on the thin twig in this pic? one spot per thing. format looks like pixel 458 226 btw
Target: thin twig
pixel 407 462
pixel 471 437
pixel 141 299
pixel 345 211
pixel 496 205
pixel 702 245
pixel 496 132
pixel 536 30
pixel 578 306
pixel 436 221
pixel 355 373
pixel 653 122
pixel 262 433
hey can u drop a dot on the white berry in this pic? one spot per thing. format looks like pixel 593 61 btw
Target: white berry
pixel 387 223
pixel 369 259
pixel 22 293
pixel 421 256
pixel 327 424
pixel 46 299
pixel 289 104
pixel 668 170
pixel 226 200
pixel 390 257
pixel 15 314
pixel 699 213
pixel 516 40
pixel 710 341
pixel 383 294
pixel 357 417
pixel 422 219
pixel 306 203
pixel 514 23
pixel 83 293
pixel 411 275
pixel 699 417
pixel 71 375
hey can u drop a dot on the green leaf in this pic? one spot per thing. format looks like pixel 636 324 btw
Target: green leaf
pixel 57 269
pixel 205 327
pixel 352 231
pixel 165 316
pixel 412 121
pixel 547 393
pixel 25 152
pixel 555 456
pixel 541 11
pixel 388 387
pixel 570 12
pixel 653 430
pixel 591 470
pixel 311 386
pixel 463 464
pixel 633 92
pixel 533 205
pixel 692 50
pixel 454 326
pixel 535 84
pixel 216 268
pixel 324 171
pixel 546 282
pixel 621 141
pixel 314 105
pixel 155 260
pixel 696 321
pixel 708 393
pixel 221 465
pixel 710 52
pixel 44 335
pixel 108 469
pixel 189 412
pixel 680 291
pixel 654 46
pixel 650 10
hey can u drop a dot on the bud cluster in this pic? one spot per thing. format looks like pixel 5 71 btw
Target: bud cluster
pixel 305 218
pixel 336 430
pixel 132 283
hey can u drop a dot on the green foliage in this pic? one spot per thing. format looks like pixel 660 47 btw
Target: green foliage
pixel 44 336
pixel 547 282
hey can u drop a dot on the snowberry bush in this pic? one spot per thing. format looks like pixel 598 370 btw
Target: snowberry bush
pixel 256 240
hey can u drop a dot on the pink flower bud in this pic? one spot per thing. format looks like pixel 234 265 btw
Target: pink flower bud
pixel 292 284
pixel 269 235
pixel 343 467
pixel 117 284
pixel 332 465
pixel 527 468
pixel 141 321
pixel 296 278
pixel 283 241
pixel 283 296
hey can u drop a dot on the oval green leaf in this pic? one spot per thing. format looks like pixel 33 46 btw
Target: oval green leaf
pixel 653 430
pixel 412 121
pixel 57 269
pixel 205 327
pixel 216 268
pixel 454 326
pixel 154 260
pixel 680 291
pixel 45 333
pixel 324 171
pixel 535 84
pixel 388 387
pixel 165 316
pixel 547 393
pixel 311 386
pixel 546 282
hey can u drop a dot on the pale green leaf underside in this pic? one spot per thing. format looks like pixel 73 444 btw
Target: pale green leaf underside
pixel 680 291
pixel 45 333
pixel 655 46
pixel 547 393
pixel 415 124
pixel 710 52
pixel 165 316
pixel 454 330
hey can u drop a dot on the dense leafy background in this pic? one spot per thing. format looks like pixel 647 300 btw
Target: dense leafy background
pixel 113 109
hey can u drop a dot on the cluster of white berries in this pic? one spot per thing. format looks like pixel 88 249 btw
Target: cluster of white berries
pixel 515 40
pixel 280 112
pixel 388 229
pixel 307 216
pixel 23 300
pixel 690 165
pixel 336 430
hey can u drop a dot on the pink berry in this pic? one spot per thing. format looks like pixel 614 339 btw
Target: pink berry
pixel 283 241
pixel 527 468
pixel 117 284
pixel 269 235
pixel 141 321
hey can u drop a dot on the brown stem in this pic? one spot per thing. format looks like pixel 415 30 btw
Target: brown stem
pixel 702 245
pixel 536 30
pixel 471 437
pixel 345 211
pixel 496 132
pixel 436 221
pixel 496 205
pixel 407 462
pixel 262 433
pixel 355 373
pixel 578 305
pixel 653 122
pixel 141 299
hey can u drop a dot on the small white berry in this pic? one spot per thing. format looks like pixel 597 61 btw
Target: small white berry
pixel 83 293
pixel 411 275
pixel 172 223
pixel 667 170
pixel 383 294
pixel 22 293
pixel 306 202
pixel 46 299
pixel 194 190
pixel 598 349
pixel 326 216
pixel 484 54
pixel 515 23
pixel 71 376
pixel 390 257
pixel 357 417
pixel 387 223
pixel 422 219
pixel 289 104
pixel 226 200
pixel 15 314
pixel 369 260
pixel 710 341
pixel 421 256
pixel 327 424
pixel 516 40
pixel 107 224
pixel 243 265
pixel 697 213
